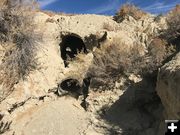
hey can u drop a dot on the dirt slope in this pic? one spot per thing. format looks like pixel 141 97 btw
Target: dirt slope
pixel 60 117
pixel 35 110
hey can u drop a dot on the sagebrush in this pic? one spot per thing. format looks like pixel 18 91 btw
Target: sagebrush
pixel 117 59
pixel 18 40
pixel 128 10
pixel 111 61
pixel 172 34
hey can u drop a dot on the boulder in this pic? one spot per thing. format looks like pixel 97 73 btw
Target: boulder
pixel 168 88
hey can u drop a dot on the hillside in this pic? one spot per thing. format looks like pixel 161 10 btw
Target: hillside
pixel 45 59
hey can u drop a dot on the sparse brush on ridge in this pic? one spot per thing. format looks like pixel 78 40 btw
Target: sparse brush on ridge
pixel 116 59
pixel 17 38
pixel 112 61
pixel 172 34
pixel 128 10
pixel 158 51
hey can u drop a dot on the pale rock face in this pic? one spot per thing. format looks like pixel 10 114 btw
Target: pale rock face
pixel 135 78
pixel 42 112
pixel 52 70
pixel 2 2
pixel 168 87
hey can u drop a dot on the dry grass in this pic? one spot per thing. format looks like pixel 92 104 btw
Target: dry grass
pixel 128 9
pixel 18 38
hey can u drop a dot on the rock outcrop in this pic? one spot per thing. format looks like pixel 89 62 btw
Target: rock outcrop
pixel 168 87
pixel 52 70
pixel 34 96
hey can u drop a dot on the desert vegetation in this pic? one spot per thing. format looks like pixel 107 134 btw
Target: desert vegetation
pixel 116 59
pixel 113 60
pixel 159 50
pixel 17 38
pixel 172 34
pixel 122 64
pixel 128 10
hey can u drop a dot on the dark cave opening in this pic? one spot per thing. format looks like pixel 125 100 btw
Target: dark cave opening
pixel 70 85
pixel 70 46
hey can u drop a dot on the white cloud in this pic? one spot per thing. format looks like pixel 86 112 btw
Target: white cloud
pixel 160 6
pixel 110 6
pixel 45 3
pixel 156 6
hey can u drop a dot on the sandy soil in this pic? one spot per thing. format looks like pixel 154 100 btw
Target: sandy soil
pixel 62 117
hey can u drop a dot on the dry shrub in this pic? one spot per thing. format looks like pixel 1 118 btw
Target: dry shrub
pixel 18 39
pixel 172 34
pixel 128 9
pixel 117 59
pixel 113 60
pixel 157 49
pixel 158 52
pixel 50 20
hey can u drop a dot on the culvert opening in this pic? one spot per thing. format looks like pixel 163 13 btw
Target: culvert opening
pixel 75 89
pixel 70 85
pixel 70 46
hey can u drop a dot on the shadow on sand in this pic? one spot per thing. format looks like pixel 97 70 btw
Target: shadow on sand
pixel 137 112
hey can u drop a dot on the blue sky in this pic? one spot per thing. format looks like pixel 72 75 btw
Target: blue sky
pixel 107 7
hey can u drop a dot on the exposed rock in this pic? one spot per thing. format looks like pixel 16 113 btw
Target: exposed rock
pixel 137 110
pixel 52 70
pixel 135 78
pixel 31 105
pixel 168 87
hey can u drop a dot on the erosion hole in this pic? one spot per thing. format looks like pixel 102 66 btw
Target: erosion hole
pixel 70 46
pixel 70 85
